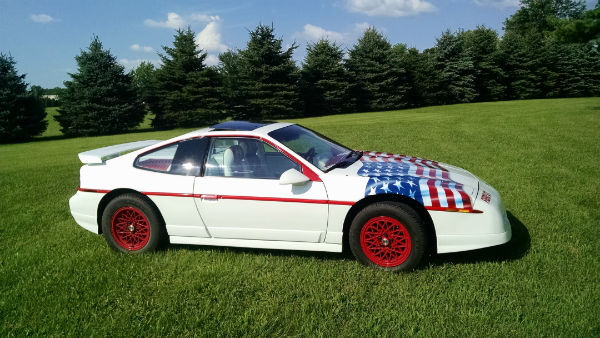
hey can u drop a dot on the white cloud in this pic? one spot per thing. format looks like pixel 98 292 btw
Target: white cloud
pixel 212 59
pixel 137 48
pixel 130 64
pixel 176 21
pixel 197 17
pixel 502 4
pixel 389 7
pixel 361 27
pixel 41 18
pixel 316 33
pixel 209 38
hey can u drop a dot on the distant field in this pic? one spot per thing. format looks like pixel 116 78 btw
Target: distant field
pixel 542 155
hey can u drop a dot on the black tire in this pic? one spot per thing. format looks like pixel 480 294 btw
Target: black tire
pixel 131 225
pixel 394 237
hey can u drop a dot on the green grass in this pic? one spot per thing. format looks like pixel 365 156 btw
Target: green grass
pixel 53 130
pixel 58 279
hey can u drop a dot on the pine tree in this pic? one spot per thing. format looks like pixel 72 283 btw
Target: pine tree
pixel 520 61
pixel 21 112
pixel 591 68
pixel 419 74
pixel 235 95
pixel 481 44
pixel 142 78
pixel 380 82
pixel 267 78
pixel 455 74
pixel 100 98
pixel 324 85
pixel 185 92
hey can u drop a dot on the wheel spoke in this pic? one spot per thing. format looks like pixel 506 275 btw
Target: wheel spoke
pixel 385 241
pixel 130 228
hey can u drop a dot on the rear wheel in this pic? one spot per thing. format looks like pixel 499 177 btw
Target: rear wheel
pixel 387 235
pixel 131 225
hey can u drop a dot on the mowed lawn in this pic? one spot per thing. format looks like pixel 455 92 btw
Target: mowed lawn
pixel 542 155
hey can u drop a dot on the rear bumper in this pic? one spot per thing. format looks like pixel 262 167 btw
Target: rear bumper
pixel 84 208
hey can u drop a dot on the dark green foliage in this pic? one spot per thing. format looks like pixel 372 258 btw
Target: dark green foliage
pixel 266 77
pixel 537 17
pixel 454 71
pixel 100 98
pixel 579 30
pixel 481 45
pixel 380 82
pixel 571 70
pixel 234 94
pixel 520 63
pixel 21 111
pixel 420 74
pixel 324 85
pixel 185 92
pixel 141 78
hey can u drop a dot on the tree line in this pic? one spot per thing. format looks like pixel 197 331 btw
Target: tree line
pixel 550 48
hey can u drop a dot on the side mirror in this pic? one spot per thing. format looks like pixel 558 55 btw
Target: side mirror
pixel 293 176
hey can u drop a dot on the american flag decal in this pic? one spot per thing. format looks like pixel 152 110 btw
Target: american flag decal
pixel 422 180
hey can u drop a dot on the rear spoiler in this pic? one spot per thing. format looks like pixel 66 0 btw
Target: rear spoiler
pixel 101 155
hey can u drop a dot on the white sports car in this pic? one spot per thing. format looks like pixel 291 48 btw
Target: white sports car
pixel 282 186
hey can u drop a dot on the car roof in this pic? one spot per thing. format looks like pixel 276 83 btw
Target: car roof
pixel 239 125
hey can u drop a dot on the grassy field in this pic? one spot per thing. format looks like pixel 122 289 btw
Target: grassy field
pixel 58 279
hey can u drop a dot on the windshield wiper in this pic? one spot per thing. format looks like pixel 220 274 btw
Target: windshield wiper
pixel 345 160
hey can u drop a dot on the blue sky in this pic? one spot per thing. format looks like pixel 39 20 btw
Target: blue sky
pixel 45 35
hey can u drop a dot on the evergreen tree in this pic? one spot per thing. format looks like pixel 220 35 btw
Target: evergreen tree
pixel 380 82
pixel 100 98
pixel 455 74
pixel 142 78
pixel 21 112
pixel 481 44
pixel 520 61
pixel 185 92
pixel 324 85
pixel 591 68
pixel 267 78
pixel 235 95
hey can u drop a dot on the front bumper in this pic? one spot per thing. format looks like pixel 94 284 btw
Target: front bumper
pixel 468 231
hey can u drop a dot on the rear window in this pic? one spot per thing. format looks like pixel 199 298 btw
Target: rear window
pixel 182 158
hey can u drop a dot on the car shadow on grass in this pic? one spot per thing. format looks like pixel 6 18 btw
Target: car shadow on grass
pixel 333 256
pixel 515 249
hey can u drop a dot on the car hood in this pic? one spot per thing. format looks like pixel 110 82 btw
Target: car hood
pixel 434 184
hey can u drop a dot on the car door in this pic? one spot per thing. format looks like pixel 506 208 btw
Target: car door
pixel 239 195
pixel 166 175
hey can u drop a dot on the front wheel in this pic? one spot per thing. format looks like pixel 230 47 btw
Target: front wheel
pixel 390 236
pixel 131 225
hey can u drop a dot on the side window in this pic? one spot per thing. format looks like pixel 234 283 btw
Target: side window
pixel 182 158
pixel 246 157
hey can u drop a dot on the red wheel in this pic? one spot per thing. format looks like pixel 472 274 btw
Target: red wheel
pixel 385 241
pixel 130 228
pixel 131 224
pixel 388 236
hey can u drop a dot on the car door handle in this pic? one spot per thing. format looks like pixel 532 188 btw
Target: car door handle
pixel 209 197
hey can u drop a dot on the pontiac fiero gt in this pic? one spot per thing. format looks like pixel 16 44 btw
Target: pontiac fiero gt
pixel 283 186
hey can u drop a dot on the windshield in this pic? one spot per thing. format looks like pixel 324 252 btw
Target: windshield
pixel 313 147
